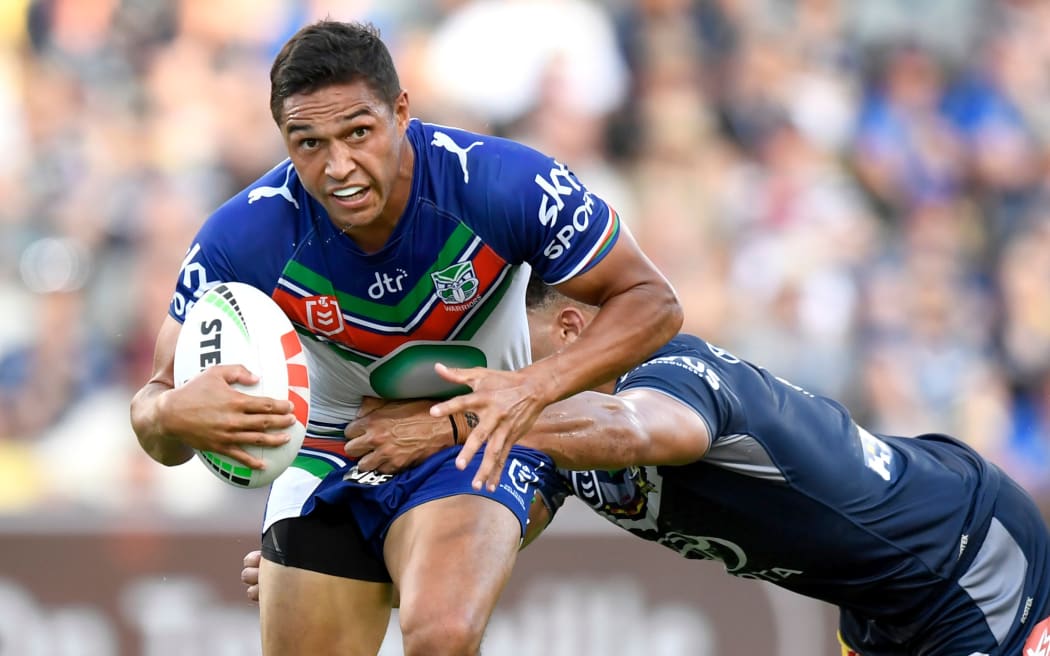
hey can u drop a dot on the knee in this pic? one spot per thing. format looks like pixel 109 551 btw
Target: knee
pixel 445 633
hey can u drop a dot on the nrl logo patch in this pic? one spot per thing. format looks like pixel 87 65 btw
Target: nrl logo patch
pixel 323 315
pixel 457 284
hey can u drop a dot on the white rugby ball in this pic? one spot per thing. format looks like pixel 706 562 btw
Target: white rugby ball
pixel 235 323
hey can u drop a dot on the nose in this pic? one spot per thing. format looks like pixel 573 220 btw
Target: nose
pixel 340 163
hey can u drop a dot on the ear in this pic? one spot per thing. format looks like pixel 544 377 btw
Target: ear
pixel 570 323
pixel 401 113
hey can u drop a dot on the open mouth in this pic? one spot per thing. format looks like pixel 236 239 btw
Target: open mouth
pixel 350 193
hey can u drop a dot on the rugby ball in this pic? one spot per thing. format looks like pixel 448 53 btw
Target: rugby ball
pixel 235 323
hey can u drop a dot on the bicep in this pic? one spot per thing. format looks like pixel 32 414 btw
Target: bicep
pixel 673 433
pixel 624 267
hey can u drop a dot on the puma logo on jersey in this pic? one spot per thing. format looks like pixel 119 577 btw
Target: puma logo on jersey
pixel 444 141
pixel 269 192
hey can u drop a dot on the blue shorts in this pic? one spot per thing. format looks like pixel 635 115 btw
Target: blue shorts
pixel 376 500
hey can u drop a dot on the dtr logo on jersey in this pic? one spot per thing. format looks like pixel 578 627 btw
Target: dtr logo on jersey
pixel 384 283
pixel 262 191
pixel 457 284
pixel 442 140
pixel 323 315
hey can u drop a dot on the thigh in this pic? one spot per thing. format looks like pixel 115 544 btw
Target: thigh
pixel 304 612
pixel 322 590
pixel 452 555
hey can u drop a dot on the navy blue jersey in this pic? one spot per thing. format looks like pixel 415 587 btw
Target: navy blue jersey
pixel 794 492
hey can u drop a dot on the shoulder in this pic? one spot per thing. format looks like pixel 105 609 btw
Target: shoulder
pixel 250 237
pixel 684 360
pixel 275 196
pixel 692 370
pixel 273 207
pixel 463 160
pixel 685 350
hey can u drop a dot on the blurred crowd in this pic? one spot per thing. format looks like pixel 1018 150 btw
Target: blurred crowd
pixel 854 193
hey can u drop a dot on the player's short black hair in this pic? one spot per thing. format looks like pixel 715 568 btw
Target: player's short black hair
pixel 539 294
pixel 332 52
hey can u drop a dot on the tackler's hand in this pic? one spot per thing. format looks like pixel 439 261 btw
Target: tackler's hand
pixel 250 574
pixel 390 436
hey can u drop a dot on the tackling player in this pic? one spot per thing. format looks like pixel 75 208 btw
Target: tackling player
pixel 925 547
pixel 401 252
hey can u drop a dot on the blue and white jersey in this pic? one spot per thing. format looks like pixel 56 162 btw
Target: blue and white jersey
pixel 448 286
pixel 794 492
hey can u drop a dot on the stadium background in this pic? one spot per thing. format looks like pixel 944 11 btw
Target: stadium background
pixel 853 193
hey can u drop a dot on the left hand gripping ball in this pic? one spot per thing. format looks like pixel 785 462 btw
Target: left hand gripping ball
pixel 235 323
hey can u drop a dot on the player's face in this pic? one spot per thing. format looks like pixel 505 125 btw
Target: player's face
pixel 553 328
pixel 542 334
pixel 352 155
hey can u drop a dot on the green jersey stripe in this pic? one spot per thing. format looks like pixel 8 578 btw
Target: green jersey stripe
pixel 363 312
pixel 316 466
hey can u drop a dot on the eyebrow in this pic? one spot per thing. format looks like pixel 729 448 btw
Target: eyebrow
pixel 300 127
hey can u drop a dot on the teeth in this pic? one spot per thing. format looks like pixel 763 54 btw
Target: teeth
pixel 349 191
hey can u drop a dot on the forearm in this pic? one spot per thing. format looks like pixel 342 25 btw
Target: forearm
pixel 145 421
pixel 589 431
pixel 626 330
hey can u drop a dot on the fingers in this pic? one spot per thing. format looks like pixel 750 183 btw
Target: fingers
pixel 360 425
pixel 357 448
pixel 262 422
pixel 373 462
pixel 369 405
pixel 470 447
pixel 453 374
pixel 264 405
pixel 252 559
pixel 236 444
pixel 249 403
pixel 491 468
pixel 245 458
pixel 466 377
pixel 235 373
pixel 250 574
